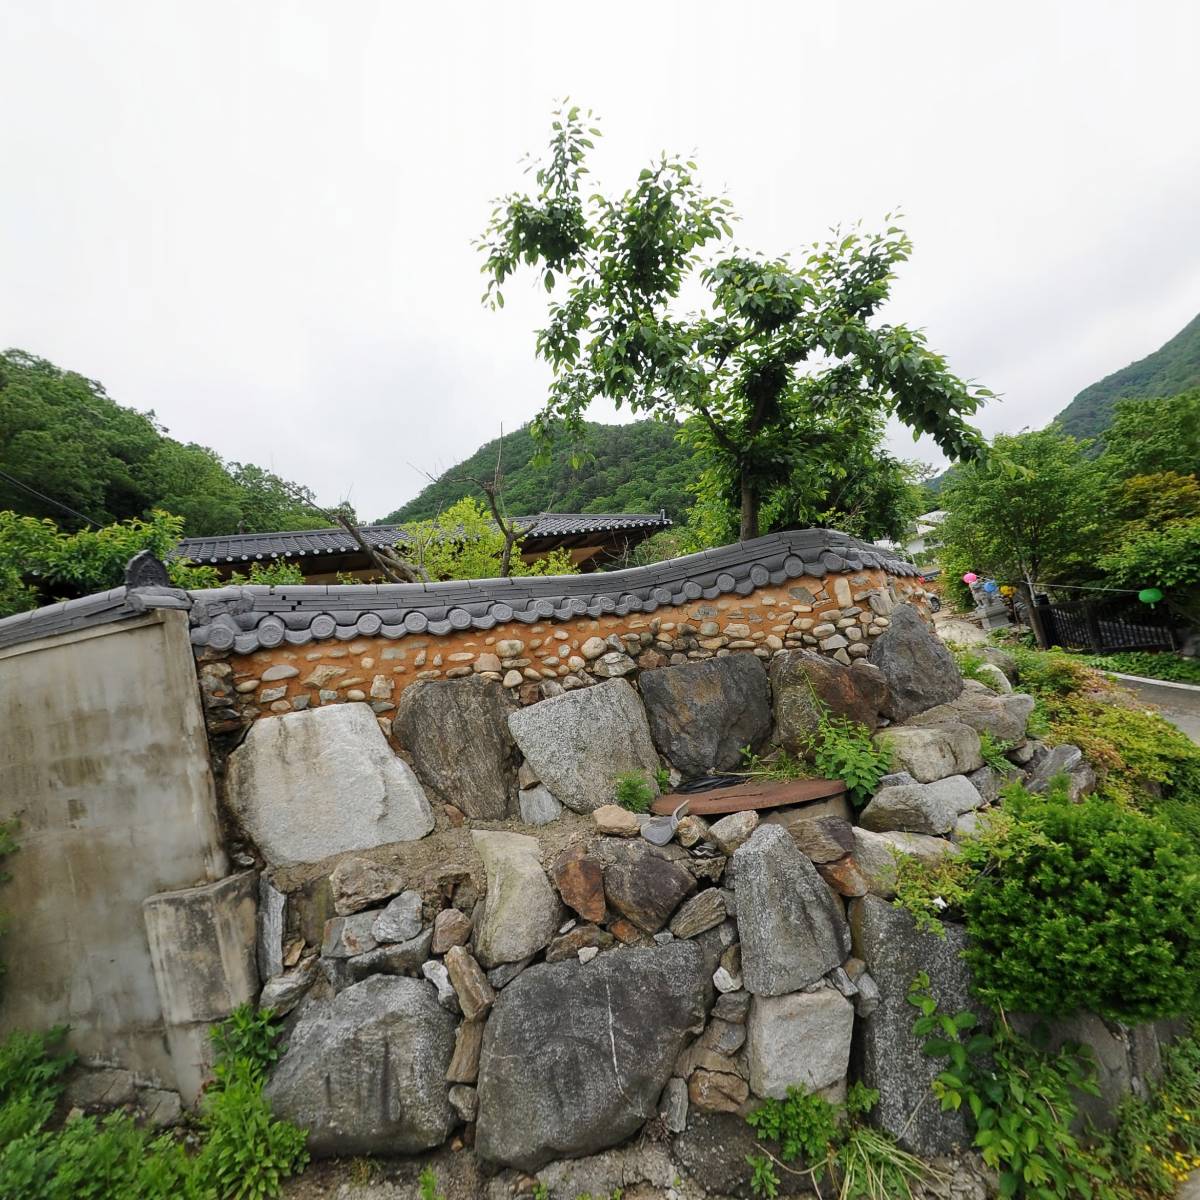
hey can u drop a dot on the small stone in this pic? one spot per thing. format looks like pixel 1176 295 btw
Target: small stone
pixel 347 936
pixel 614 665
pixel 475 995
pixel 732 831
pixel 510 648
pixel 625 931
pixel 283 992
pixel 594 647
pixel 400 921
pixel 273 674
pixel 437 974
pixel 673 1105
pixel 909 808
pixel 538 806
pixel 468 1043
pixel 512 679
pixel 580 882
pixel 724 981
pixel 643 883
pixel 246 686
pixel 845 876
pixel 487 662
pixel 450 928
pixel 715 1091
pixel 323 676
pixel 465 1102
pixel 703 911
pixel 692 831
pixel 616 821
pixel 582 937
pixel 732 1007
pixel 106 1087
pixel 587 953
pixel 357 883
pixel 724 1037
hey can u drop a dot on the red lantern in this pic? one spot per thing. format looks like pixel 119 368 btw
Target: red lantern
pixel 970 577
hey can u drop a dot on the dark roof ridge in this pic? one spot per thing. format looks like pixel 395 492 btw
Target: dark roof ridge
pixel 248 617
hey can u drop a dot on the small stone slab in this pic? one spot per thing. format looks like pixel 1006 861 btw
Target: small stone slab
pixel 754 795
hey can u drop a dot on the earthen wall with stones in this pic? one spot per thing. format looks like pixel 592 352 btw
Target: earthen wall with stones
pixel 838 616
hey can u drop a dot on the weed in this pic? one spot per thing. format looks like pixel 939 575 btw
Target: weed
pixel 633 792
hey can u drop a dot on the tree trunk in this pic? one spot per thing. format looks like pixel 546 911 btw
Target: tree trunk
pixel 749 522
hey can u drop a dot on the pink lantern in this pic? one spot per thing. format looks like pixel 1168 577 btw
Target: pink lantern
pixel 970 577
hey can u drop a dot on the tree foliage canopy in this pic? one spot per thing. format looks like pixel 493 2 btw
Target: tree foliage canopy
pixel 781 353
pixel 61 435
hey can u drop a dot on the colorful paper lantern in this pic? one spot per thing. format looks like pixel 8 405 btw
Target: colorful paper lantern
pixel 1007 590
pixel 970 577
pixel 1150 595
pixel 991 587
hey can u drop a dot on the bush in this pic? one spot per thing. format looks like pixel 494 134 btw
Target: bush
pixel 633 792
pixel 1096 909
pixel 1149 664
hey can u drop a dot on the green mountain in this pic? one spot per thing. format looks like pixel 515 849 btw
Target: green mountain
pixel 640 467
pixel 1171 369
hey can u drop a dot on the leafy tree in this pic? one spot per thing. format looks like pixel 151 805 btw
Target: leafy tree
pixel 71 453
pixel 1151 436
pixel 1029 514
pixel 1166 558
pixel 781 348
pixel 464 543
pixel 40 563
pixel 1152 501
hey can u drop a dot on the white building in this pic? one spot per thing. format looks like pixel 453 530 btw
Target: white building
pixel 922 539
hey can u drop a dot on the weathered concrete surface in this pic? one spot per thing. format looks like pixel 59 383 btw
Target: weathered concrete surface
pixel 312 784
pixel 202 945
pixel 105 764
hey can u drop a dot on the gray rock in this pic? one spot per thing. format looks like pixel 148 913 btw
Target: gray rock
pixel 358 883
pixel 994 678
pixel 909 808
pixel 365 1072
pixel 673 1105
pixel 465 1102
pixel 613 665
pixel 958 792
pixel 876 855
pixel 643 883
pixel 711 1154
pixel 933 752
pixel 501 976
pixel 799 1040
pixel 866 999
pixel 347 936
pixel 1004 717
pixel 604 1035
pixel 1062 760
pixel 400 921
pixel 163 1109
pixel 889 1056
pixel 282 993
pixel 987 783
pixel 580 742
pixel 538 806
pixel 439 976
pixel 308 785
pixel 101 1087
pixel 522 910
pixel 792 927
pixel 733 1007
pixel 399 958
pixel 896 778
pixel 999 658
pixel 919 670
pixel 804 682
pixel 701 714
pixel 732 831
pixel 457 733
pixel 271 920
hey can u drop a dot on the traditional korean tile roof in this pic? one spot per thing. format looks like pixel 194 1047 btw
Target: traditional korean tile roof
pixel 301 543
pixel 251 617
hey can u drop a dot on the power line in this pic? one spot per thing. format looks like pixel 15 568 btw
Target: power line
pixel 48 499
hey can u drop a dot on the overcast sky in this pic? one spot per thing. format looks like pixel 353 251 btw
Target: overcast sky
pixel 256 218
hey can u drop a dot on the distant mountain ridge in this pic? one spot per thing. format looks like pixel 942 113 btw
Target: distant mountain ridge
pixel 1171 369
pixel 640 467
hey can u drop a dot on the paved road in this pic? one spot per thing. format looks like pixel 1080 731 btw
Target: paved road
pixel 1179 705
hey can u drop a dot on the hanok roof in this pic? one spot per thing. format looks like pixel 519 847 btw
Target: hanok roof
pixel 250 617
pixel 548 531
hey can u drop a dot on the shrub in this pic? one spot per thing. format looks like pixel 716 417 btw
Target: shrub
pixel 633 792
pixel 1096 908
pixel 1149 664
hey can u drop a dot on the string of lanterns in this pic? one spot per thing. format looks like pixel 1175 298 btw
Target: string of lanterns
pixel 1148 595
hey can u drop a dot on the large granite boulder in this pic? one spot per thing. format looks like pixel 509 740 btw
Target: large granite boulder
pixel 579 743
pixel 308 785
pixel 701 714
pixel 457 733
pixel 889 1056
pixel 919 670
pixel 791 925
pixel 800 1040
pixel 365 1072
pixel 576 1055
pixel 909 808
pixel 521 912
pixel 1004 717
pixel 932 752
pixel 877 855
pixel 804 682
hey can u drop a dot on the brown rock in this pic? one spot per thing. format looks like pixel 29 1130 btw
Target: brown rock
pixel 644 885
pixel 731 831
pixel 464 1063
pixel 845 876
pixel 823 838
pixel 580 883
pixel 450 928
pixel 615 821
pixel 713 1091
pixel 455 816
pixel 475 995
pixel 804 682
pixel 725 1037
pixel 568 945
pixel 703 911
pixel 625 931
pixel 691 831
pixel 357 883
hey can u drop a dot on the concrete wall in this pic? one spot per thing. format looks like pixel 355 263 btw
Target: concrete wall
pixel 104 761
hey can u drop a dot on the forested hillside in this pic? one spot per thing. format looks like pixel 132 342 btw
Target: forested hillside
pixel 63 437
pixel 626 468
pixel 1171 369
